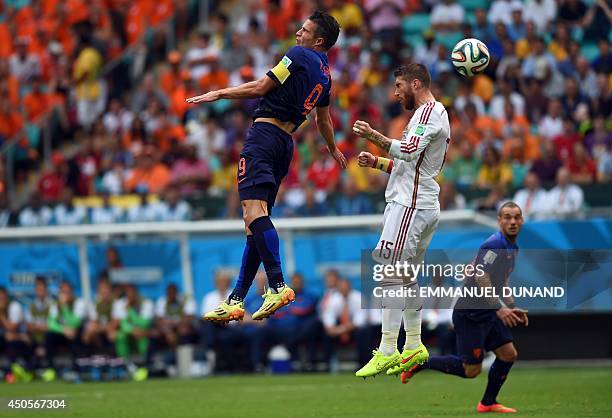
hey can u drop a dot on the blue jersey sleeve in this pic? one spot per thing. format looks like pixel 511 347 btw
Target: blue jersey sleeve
pixel 489 259
pixel 291 62
pixel 324 100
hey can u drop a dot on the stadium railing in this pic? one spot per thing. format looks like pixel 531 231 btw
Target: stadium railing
pixel 81 235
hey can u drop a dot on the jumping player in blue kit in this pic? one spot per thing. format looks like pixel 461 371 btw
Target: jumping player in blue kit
pixel 483 324
pixel 299 83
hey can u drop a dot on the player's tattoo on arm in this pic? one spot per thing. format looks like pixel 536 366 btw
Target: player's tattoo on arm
pixel 484 281
pixel 379 140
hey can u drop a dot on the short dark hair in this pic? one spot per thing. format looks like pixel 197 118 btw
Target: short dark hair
pixel 412 71
pixel 509 204
pixel 328 28
pixel 41 280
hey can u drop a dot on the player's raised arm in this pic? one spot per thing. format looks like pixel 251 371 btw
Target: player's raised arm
pixel 326 128
pixel 250 90
pixel 409 148
pixel 366 159
pixel 364 130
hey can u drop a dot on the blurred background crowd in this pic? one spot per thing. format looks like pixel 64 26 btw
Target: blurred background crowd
pixel 122 329
pixel 94 127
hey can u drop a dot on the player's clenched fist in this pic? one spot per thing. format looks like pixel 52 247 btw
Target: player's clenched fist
pixel 363 129
pixel 366 159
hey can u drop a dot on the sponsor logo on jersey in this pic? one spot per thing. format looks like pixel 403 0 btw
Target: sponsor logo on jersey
pixel 420 130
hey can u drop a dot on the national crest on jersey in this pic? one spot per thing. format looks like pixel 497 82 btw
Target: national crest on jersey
pixel 419 157
pixel 303 82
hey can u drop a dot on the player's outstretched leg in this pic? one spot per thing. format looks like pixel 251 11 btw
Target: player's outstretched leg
pixel 445 364
pixel 267 243
pixel 415 353
pixel 233 308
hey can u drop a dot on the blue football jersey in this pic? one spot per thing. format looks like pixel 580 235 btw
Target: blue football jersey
pixel 496 256
pixel 303 83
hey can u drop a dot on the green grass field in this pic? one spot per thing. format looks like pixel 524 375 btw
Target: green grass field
pixel 534 392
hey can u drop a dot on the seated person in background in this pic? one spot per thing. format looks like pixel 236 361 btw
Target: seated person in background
pixel 565 199
pixel 307 325
pixel 173 208
pixel 132 319
pixel 493 170
pixel 65 326
pixel 98 328
pixel 532 198
pixel 36 214
pixel 174 318
pixel 344 321
pixel 107 213
pixel 12 340
pixel 144 211
pixel 37 320
pixel 297 325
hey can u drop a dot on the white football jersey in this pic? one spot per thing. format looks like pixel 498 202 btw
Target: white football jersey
pixel 418 158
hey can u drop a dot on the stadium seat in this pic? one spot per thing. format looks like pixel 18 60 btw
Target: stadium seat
pixel 448 39
pixel 471 5
pixel 590 51
pixel 412 39
pixel 415 23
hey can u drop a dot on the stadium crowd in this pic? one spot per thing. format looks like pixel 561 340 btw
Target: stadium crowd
pixel 537 119
pixel 121 328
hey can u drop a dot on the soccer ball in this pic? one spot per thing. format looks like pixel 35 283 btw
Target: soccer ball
pixel 470 57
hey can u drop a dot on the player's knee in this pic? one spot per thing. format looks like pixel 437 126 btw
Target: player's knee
pixel 472 370
pixel 252 210
pixel 510 355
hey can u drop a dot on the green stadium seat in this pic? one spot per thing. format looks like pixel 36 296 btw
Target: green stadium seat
pixel 449 39
pixel 413 39
pixel 590 51
pixel 470 17
pixel 471 5
pixel 415 23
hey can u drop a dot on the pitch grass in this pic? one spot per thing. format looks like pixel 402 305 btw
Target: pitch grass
pixel 567 392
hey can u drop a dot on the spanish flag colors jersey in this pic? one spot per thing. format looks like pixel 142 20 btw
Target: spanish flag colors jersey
pixel 418 158
pixel 303 83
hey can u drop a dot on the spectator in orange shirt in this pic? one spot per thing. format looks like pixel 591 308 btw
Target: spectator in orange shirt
pixel 136 21
pixel 216 79
pixel 10 121
pixel 168 133
pixel 518 143
pixel 170 78
pixel 76 11
pixel 162 11
pixel 278 19
pixel 148 175
pixel 6 41
pixel 185 89
pixel 36 102
pixel 474 126
pixel 346 90
pixel 9 85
